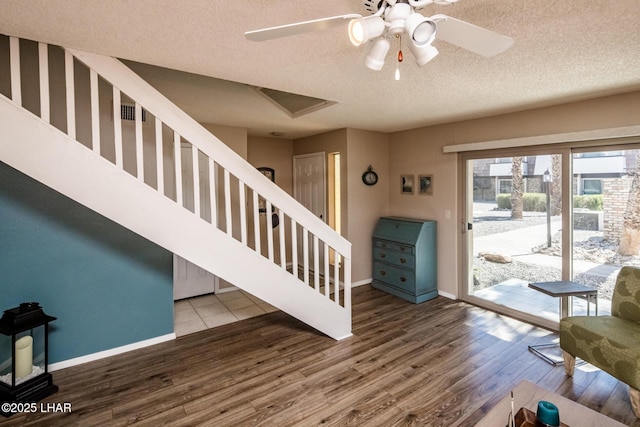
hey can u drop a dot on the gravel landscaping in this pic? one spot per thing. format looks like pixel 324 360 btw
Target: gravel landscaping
pixel 588 246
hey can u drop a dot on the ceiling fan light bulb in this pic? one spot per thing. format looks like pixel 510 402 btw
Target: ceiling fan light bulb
pixel 375 58
pixel 424 33
pixel 421 30
pixel 356 32
pixel 362 30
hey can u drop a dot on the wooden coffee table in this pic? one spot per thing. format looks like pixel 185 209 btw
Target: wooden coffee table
pixel 528 395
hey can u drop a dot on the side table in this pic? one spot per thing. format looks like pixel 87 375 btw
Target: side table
pixel 563 289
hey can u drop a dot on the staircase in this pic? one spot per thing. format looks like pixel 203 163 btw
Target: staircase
pixel 62 120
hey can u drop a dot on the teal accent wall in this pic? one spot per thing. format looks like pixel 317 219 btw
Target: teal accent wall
pixel 107 286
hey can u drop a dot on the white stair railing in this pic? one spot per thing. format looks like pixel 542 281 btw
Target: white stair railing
pixel 222 188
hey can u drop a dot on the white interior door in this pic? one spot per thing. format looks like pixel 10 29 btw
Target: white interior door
pixel 189 280
pixel 309 188
pixel 309 182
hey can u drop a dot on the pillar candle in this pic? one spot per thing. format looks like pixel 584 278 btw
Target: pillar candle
pixel 24 356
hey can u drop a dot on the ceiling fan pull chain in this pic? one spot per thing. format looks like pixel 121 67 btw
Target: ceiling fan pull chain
pixel 400 57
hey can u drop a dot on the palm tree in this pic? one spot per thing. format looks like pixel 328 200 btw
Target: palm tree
pixel 516 188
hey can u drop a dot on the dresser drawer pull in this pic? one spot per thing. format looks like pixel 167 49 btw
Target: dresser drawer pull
pixel 403 261
pixel 403 279
pixel 383 273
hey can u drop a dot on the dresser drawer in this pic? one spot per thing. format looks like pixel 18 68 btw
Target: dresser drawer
pixel 406 260
pixel 398 277
pixel 393 246
pixel 404 231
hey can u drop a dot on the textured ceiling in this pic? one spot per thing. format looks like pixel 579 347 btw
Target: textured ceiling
pixel 563 51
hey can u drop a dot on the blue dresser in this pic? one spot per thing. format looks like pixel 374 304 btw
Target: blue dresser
pixel 405 258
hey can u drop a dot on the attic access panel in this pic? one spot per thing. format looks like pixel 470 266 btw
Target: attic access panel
pixel 293 104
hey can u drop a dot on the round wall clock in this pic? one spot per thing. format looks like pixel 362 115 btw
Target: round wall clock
pixel 370 177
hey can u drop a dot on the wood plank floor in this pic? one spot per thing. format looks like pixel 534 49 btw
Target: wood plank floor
pixel 440 363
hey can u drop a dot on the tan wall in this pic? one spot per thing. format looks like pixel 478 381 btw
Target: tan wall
pixel 419 151
pixel 276 154
pixel 365 204
pixel 598 113
pixel 233 137
pixel 236 139
pixel 273 153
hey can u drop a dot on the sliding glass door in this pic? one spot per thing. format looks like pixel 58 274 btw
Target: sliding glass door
pixel 514 224
pixel 535 216
pixel 606 218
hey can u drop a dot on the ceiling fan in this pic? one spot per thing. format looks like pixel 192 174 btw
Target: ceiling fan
pixel 392 19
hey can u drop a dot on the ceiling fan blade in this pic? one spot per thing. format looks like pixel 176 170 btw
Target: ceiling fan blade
pixel 297 28
pixel 470 37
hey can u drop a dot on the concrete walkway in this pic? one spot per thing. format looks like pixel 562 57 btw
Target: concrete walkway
pixel 518 244
pixel 515 293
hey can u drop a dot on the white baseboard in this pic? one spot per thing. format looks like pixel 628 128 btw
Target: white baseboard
pixel 447 295
pixel 344 337
pixel 111 352
pixel 361 282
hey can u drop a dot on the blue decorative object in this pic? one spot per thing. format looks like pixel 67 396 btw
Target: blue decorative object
pixel 548 414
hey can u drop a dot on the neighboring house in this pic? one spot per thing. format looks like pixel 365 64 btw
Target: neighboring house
pixel 493 176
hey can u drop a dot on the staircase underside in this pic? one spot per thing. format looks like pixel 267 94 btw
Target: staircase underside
pixel 46 154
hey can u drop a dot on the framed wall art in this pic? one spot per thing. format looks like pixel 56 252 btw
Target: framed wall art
pixel 269 173
pixel 425 185
pixel 406 184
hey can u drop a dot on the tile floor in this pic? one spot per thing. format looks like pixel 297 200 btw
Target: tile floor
pixel 208 311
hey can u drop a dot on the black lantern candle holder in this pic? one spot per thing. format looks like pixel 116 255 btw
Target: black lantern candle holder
pixel 24 343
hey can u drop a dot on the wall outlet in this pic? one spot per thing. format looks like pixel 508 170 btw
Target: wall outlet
pixel 447 214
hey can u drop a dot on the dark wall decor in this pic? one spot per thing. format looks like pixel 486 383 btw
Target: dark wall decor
pixel 271 174
pixel 406 184
pixel 425 185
